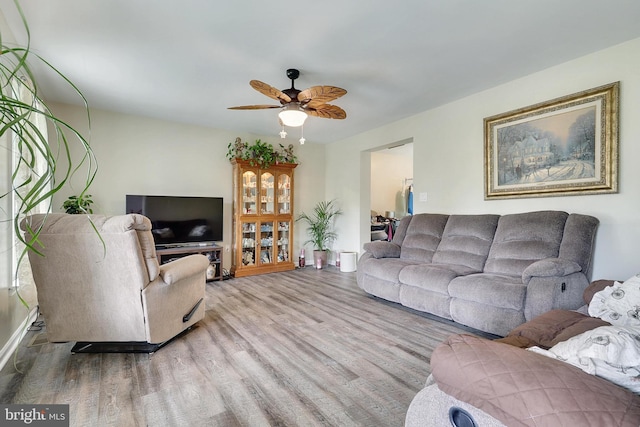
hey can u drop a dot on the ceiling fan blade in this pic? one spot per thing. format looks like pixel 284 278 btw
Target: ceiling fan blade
pixel 254 107
pixel 321 94
pixel 270 91
pixel 327 111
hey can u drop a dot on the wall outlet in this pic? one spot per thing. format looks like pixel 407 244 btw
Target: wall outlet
pixel 227 248
pixel 423 197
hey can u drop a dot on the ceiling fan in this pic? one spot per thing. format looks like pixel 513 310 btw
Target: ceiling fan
pixel 297 104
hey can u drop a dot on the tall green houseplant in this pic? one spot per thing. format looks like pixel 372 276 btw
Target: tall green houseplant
pixel 42 161
pixel 320 229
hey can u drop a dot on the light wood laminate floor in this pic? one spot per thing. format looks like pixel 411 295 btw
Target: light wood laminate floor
pixel 300 348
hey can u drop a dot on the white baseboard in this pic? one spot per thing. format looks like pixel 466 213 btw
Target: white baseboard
pixel 10 347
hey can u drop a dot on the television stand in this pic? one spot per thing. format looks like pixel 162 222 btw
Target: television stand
pixel 213 252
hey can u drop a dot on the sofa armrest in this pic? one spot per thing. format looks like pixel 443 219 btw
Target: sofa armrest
pixel 550 267
pixel 554 292
pixel 383 249
pixel 553 283
pixel 182 268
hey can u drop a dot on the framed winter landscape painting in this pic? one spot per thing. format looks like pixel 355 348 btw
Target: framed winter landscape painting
pixel 562 147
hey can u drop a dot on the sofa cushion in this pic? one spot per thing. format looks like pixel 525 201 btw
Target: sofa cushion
pixel 487 318
pixel 401 230
pixel 490 289
pixel 386 269
pixel 434 277
pixel 426 300
pixel 466 241
pixel 522 388
pixel 384 289
pixel 423 237
pixel 578 239
pixel 522 239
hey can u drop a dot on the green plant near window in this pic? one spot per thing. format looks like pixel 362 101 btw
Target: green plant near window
pixel 320 224
pixel 260 153
pixel 44 164
pixel 78 205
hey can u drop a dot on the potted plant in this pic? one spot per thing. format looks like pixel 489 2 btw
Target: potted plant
pixel 44 162
pixel 320 228
pixel 260 153
pixel 78 204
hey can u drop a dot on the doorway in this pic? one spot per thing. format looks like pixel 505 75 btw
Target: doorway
pixel 391 168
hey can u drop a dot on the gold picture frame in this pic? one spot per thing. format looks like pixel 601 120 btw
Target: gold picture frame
pixel 566 146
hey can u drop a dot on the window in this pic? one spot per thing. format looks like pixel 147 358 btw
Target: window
pixel 15 160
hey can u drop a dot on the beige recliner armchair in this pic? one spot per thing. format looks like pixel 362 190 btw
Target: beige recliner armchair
pixel 105 289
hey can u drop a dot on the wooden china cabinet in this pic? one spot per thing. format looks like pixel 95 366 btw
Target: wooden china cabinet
pixel 262 218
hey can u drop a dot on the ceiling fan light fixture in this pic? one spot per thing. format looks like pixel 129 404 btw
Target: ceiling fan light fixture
pixel 292 115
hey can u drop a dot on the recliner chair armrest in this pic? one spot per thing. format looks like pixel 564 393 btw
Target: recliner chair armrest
pixel 174 300
pixel 382 249
pixel 184 267
pixel 550 267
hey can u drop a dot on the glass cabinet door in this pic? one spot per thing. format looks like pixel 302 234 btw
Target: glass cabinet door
pixel 283 241
pixel 249 192
pixel 248 243
pixel 284 194
pixel 266 193
pixel 266 243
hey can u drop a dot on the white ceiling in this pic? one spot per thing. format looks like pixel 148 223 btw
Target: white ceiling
pixel 188 61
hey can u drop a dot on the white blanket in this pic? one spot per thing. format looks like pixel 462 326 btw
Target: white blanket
pixel 610 352
pixel 618 304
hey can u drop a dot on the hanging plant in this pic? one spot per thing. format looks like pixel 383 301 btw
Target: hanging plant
pixel 260 153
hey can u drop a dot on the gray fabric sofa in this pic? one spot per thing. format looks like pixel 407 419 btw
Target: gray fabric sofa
pixel 489 272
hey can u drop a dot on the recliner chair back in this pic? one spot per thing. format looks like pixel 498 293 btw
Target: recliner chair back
pixel 93 284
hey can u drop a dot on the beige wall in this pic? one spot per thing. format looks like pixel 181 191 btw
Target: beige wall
pixel 139 155
pixel 448 157
pixel 142 155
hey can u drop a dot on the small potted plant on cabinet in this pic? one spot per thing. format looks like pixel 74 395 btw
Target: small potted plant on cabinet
pixel 78 204
pixel 320 229
pixel 260 153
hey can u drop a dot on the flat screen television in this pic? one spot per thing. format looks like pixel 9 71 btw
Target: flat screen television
pixel 178 220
